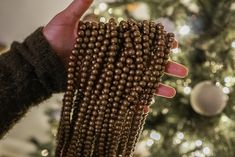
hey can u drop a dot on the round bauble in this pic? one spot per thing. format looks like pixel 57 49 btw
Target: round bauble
pixel 207 99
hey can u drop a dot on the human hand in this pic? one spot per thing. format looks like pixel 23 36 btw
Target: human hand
pixel 61 33
pixel 172 69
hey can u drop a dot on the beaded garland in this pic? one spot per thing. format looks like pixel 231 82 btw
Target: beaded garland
pixel 113 73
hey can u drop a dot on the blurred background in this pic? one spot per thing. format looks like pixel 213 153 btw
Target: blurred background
pixel 198 122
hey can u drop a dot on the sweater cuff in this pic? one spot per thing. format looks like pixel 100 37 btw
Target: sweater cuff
pixel 48 66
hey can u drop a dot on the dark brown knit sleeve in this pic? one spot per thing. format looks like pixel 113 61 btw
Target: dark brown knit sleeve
pixel 29 73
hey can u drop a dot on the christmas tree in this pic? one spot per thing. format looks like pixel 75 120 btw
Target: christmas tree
pixel 200 120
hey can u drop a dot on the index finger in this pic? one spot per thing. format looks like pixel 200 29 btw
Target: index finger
pixel 77 8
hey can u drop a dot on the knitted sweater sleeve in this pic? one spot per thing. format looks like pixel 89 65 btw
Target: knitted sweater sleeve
pixel 29 73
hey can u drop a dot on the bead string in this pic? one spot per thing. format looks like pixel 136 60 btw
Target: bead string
pixel 113 72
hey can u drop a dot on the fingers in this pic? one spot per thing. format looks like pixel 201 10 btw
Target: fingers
pixel 146 109
pixel 165 91
pixel 174 44
pixel 162 91
pixel 76 9
pixel 176 69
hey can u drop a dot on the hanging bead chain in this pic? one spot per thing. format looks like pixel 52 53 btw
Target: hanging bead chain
pixel 113 73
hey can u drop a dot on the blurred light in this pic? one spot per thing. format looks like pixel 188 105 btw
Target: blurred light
pixel 149 142
pixel 155 135
pixel 214 70
pixel 226 90
pixel 218 84
pixel 233 44
pixel 54 131
pixel 206 150
pixel 186 2
pixel 102 19
pixel 178 81
pixel 184 30
pixel 110 11
pixel 96 11
pixel 176 50
pixel 177 141
pixel 103 6
pixel 120 19
pixel 224 119
pixel 44 152
pixel 188 80
pixel 180 135
pixel 198 154
pixel 232 7
pixel 198 143
pixel 227 79
pixel 165 111
pixel 187 90
pixel 152 100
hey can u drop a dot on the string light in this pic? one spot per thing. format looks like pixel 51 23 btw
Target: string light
pixel 155 135
pixel 198 154
pixel 176 50
pixel 149 142
pixel 102 19
pixel 227 79
pixel 198 143
pixel 110 11
pixel 165 111
pixel 233 44
pixel 226 90
pixel 187 90
pixel 120 19
pixel 176 141
pixel 206 150
pixel 218 84
pixel 103 6
pixel 44 152
pixel 180 135
pixel 96 11
pixel 184 30
pixel 178 138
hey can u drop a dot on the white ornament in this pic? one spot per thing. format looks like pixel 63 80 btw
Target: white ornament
pixel 207 99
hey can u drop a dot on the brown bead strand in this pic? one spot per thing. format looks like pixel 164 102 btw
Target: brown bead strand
pixel 130 96
pixel 111 53
pixel 152 79
pixel 114 94
pixel 79 48
pixel 138 114
pixel 64 125
pixel 101 81
pixel 66 109
pixel 116 90
pixel 117 114
pixel 97 65
pixel 83 83
pixel 136 38
pixel 153 88
pixel 108 109
pixel 103 84
pixel 137 118
pixel 119 85
pixel 137 89
pixel 85 129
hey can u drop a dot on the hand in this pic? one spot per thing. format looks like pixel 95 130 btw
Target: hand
pixel 172 69
pixel 61 33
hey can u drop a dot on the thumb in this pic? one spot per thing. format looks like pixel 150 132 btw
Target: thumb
pixel 76 9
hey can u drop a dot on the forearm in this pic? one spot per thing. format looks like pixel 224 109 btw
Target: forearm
pixel 29 73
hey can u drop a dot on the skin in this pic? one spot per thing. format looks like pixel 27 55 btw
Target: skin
pixel 61 34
